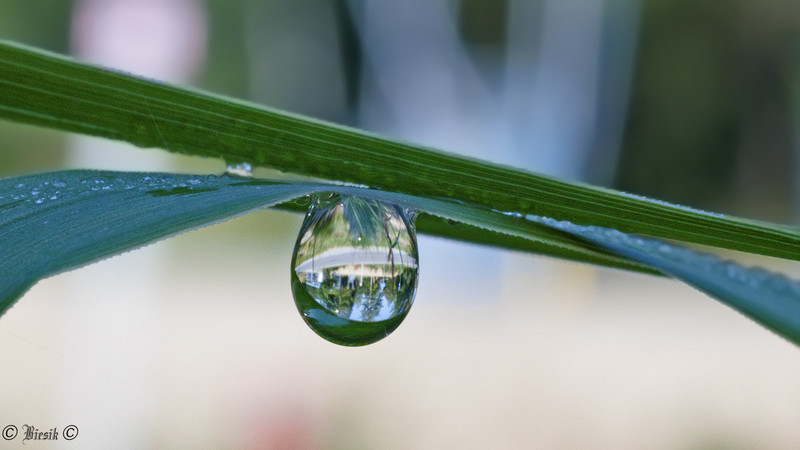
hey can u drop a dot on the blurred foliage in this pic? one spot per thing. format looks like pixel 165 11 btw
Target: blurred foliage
pixel 711 120
pixel 44 149
pixel 482 26
pixel 226 70
pixel 40 23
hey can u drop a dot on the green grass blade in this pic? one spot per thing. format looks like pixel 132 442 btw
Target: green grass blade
pixel 768 298
pixel 49 90
pixel 53 222
pixel 58 221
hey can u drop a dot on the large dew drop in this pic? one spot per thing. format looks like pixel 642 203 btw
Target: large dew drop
pixel 354 268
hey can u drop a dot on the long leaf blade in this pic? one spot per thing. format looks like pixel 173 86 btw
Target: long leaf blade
pixel 59 221
pixel 48 90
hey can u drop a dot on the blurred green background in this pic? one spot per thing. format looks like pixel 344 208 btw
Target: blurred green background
pixel 194 342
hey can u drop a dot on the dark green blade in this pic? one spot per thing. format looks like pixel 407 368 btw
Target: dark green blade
pixel 49 90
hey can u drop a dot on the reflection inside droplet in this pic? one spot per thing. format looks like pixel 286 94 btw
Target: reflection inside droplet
pixel 354 268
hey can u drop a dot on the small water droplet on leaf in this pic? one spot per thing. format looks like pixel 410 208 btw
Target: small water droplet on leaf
pixel 239 169
pixel 354 268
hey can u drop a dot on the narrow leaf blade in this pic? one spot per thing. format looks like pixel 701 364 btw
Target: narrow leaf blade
pixel 53 222
pixel 49 90
pixel 770 299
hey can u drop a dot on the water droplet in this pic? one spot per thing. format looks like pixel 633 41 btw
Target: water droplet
pixel 240 169
pixel 354 268
pixel 96 183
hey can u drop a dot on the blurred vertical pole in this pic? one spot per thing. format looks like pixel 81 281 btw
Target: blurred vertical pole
pixel 795 102
pixel 164 40
pixel 419 84
pixel 620 30
pixel 568 76
pixel 551 90
pixel 796 168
